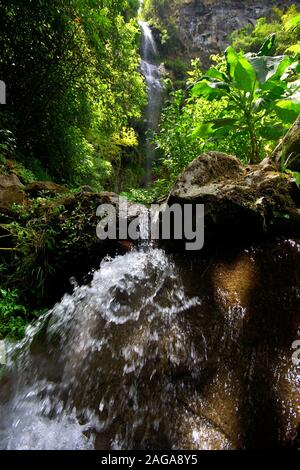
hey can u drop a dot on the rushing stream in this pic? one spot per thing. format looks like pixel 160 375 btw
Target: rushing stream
pixel 85 369
pixel 163 352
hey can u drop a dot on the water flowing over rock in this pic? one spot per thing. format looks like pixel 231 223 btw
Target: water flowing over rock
pixel 152 71
pixel 162 353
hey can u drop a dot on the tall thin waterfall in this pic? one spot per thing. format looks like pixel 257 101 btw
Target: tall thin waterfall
pixel 151 69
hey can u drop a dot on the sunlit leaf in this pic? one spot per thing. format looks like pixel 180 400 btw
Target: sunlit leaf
pixel 293 23
pixel 215 73
pixel 268 45
pixel 209 89
pixel 203 130
pixel 288 110
pixel 232 60
pixel 244 75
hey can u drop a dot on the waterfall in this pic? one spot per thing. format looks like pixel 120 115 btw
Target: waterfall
pixel 151 70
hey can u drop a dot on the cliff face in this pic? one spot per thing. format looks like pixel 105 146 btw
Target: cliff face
pixel 204 26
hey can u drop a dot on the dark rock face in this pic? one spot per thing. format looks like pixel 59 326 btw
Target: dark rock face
pixel 240 201
pixel 205 25
pixel 249 315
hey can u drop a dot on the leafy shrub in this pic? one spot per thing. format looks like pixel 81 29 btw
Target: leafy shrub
pixel 72 70
pixel 262 89
pixel 13 315
pixel 241 106
pixel 249 39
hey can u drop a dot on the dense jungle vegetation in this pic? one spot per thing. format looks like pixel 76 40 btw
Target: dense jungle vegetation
pixel 74 114
pixel 242 105
pixel 73 88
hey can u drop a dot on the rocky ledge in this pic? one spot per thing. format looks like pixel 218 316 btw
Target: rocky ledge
pixel 241 201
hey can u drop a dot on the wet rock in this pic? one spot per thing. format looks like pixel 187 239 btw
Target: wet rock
pixel 38 188
pixel 249 390
pixel 241 201
pixel 196 432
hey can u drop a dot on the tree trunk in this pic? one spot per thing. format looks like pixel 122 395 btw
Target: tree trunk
pixel 287 151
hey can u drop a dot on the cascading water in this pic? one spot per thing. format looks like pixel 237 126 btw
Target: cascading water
pixel 95 371
pixel 151 70
pixel 156 355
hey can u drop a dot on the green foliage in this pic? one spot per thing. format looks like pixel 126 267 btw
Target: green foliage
pixel 176 140
pixel 258 85
pixel 32 244
pixel 177 66
pixel 72 71
pixel 148 195
pixel 160 14
pixel 296 176
pixel 283 25
pixel 242 105
pixel 45 237
pixel 13 315
pixel 9 166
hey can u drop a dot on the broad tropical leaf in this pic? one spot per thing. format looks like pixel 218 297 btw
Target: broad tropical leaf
pixel 203 130
pixel 296 176
pixel 232 59
pixel 228 122
pixel 272 132
pixel 209 89
pixel 245 75
pixel 268 68
pixel 268 45
pixel 288 110
pixel 215 73
pixel 240 70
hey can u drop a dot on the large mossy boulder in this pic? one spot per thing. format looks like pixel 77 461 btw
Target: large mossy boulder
pixel 11 191
pixel 241 201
